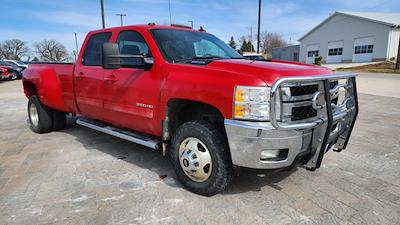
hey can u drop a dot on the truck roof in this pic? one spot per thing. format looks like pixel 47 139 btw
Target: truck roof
pixel 151 26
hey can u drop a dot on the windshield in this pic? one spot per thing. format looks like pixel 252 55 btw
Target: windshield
pixel 182 46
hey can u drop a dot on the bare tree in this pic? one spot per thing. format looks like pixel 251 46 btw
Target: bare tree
pixel 51 51
pixel 271 40
pixel 13 49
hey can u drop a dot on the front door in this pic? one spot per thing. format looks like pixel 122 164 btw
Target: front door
pixel 131 93
pixel 88 77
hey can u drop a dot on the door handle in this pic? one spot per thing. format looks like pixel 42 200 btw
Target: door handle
pixel 111 79
pixel 79 76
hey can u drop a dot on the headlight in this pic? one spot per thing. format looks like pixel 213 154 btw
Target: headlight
pixel 251 103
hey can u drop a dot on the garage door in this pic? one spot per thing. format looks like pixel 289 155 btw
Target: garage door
pixel 335 52
pixel 312 53
pixel 363 49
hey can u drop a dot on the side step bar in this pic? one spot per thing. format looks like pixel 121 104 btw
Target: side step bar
pixel 126 135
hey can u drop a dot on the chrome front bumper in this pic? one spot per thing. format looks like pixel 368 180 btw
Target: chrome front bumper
pixel 249 142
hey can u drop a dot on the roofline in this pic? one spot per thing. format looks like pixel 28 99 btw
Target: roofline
pixel 149 26
pixel 345 14
pixel 287 46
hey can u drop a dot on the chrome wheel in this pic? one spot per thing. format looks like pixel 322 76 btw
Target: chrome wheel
pixel 33 115
pixel 195 159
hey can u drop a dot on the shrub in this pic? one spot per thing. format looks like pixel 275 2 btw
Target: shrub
pixel 318 60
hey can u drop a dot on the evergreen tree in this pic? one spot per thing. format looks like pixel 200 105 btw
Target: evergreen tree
pixel 232 43
pixel 245 46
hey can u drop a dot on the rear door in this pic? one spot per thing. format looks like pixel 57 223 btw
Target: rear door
pixel 131 93
pixel 88 77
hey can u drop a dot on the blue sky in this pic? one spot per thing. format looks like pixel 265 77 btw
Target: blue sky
pixel 35 20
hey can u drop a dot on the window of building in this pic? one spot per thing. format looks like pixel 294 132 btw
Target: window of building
pixel 313 53
pixel 335 51
pixel 364 49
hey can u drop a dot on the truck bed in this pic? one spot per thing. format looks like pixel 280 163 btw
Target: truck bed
pixel 58 91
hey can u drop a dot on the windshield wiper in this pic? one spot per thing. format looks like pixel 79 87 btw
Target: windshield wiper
pixel 199 58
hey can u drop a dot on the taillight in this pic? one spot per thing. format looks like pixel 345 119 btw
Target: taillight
pixel 3 71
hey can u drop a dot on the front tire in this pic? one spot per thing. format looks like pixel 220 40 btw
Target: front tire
pixel 40 117
pixel 14 76
pixel 200 156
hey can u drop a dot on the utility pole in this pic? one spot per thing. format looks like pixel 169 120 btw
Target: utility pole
pixel 259 26
pixel 398 57
pixel 191 22
pixel 121 15
pixel 170 15
pixel 102 14
pixel 251 38
pixel 76 46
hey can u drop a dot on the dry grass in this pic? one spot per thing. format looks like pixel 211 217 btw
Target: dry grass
pixel 385 67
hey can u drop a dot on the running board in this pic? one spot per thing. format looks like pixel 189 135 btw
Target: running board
pixel 126 135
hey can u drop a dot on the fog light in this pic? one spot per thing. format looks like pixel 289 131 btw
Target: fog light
pixel 270 154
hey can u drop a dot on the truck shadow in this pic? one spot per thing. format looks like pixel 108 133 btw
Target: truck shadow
pixel 245 180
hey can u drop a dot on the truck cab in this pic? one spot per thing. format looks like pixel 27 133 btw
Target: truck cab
pixel 188 94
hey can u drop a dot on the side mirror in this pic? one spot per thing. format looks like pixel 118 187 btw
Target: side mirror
pixel 148 60
pixel 110 56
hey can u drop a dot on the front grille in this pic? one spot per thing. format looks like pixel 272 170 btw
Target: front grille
pixel 303 90
pixel 304 112
pixel 309 89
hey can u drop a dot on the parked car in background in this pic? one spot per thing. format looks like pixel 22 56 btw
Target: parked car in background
pixel 254 56
pixel 16 71
pixel 18 63
pixel 6 73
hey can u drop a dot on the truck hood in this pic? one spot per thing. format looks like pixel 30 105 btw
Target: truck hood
pixel 268 71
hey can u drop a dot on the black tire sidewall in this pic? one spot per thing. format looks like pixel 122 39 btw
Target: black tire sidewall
pixel 221 163
pixel 59 120
pixel 44 114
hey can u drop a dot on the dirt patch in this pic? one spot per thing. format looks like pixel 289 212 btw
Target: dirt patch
pixel 385 67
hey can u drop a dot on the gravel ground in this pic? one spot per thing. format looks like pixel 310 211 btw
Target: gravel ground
pixel 80 176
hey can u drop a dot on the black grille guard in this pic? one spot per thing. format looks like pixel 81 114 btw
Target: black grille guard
pixel 323 136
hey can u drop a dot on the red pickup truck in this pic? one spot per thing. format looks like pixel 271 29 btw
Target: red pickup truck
pixel 188 94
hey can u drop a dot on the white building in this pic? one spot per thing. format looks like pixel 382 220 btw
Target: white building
pixel 353 37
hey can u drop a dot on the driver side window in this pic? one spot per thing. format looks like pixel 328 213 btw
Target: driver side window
pixel 132 43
